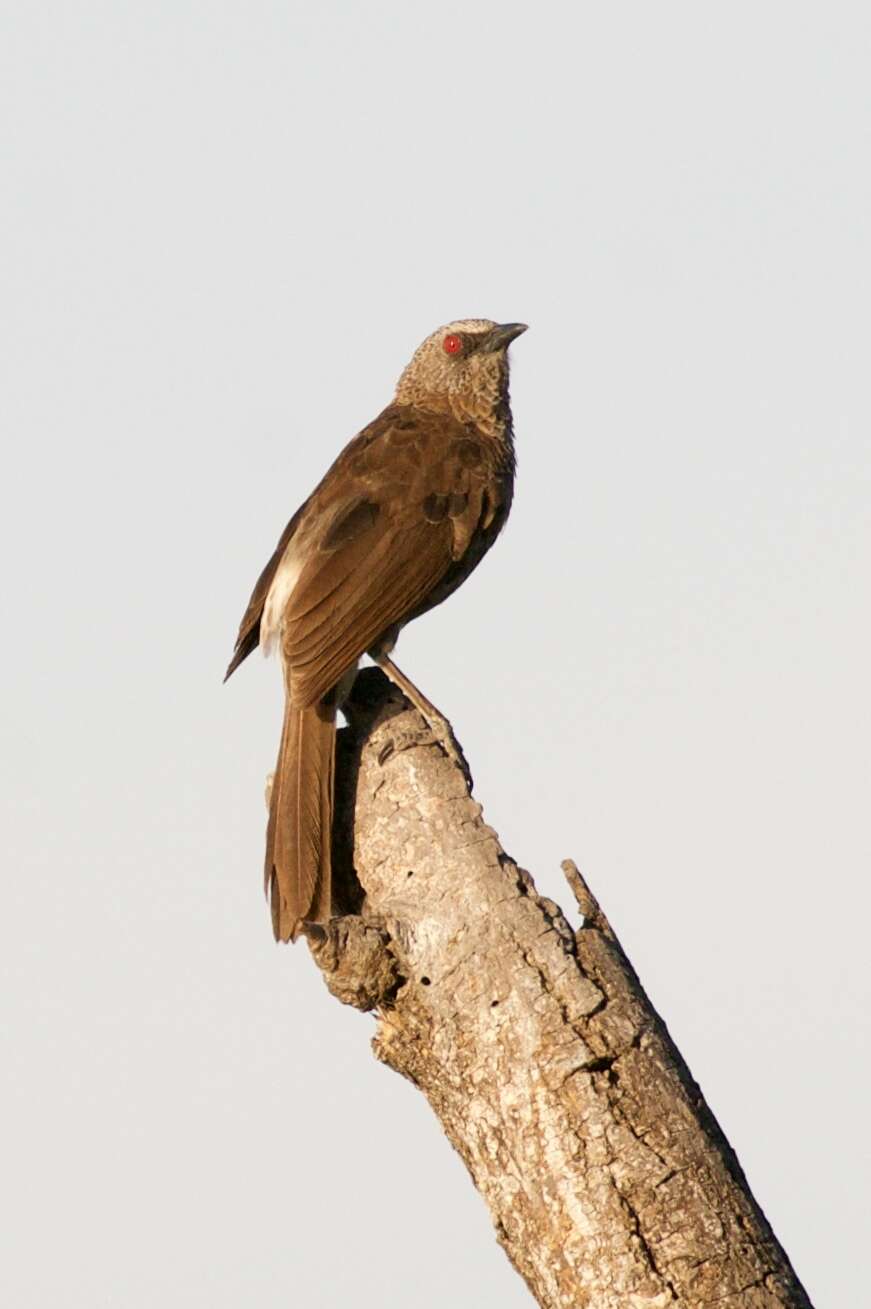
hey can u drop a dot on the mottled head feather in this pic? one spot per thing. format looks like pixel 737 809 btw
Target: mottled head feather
pixel 470 383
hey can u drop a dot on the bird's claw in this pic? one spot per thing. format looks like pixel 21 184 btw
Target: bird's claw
pixel 443 734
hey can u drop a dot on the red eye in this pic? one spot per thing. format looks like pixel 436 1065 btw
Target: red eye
pixel 452 344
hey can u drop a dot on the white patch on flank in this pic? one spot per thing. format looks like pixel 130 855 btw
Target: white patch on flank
pixel 285 579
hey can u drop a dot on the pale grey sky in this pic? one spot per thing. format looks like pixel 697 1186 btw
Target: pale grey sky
pixel 226 227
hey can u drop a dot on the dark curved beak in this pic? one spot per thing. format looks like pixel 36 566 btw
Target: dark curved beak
pixel 499 338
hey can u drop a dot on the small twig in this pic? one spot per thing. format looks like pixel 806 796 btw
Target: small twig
pixel 594 916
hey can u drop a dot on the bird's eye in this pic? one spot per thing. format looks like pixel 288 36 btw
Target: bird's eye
pixel 452 344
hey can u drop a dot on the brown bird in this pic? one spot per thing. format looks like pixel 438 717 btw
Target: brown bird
pixel 401 518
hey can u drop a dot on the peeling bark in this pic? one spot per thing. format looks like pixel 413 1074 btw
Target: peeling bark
pixel 609 1182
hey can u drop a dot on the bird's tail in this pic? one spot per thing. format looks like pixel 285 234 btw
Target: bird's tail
pixel 298 856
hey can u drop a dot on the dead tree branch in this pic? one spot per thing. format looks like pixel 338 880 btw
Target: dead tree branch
pixel 609 1181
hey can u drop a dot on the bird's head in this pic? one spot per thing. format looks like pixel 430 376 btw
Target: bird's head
pixel 462 369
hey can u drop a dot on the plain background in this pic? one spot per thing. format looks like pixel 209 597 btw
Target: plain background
pixel 226 227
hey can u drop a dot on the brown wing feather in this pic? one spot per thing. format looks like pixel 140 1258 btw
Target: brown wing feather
pixel 405 508
pixel 249 628
pixel 380 585
pixel 386 529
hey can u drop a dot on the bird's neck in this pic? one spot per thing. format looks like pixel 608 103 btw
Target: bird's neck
pixel 484 405
pixel 488 410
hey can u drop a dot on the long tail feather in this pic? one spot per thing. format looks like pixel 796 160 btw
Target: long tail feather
pixel 298 845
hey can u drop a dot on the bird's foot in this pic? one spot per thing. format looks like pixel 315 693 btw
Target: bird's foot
pixel 441 730
pixel 443 735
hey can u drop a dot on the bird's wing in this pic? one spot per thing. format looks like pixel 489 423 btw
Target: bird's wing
pixel 388 522
pixel 249 628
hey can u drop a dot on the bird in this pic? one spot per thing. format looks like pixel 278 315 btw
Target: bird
pixel 400 519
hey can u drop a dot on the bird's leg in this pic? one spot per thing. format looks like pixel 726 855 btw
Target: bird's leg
pixel 437 723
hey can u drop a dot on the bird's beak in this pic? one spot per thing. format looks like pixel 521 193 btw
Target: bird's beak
pixel 499 338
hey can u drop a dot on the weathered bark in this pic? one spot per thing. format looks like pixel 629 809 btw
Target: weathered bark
pixel 609 1182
